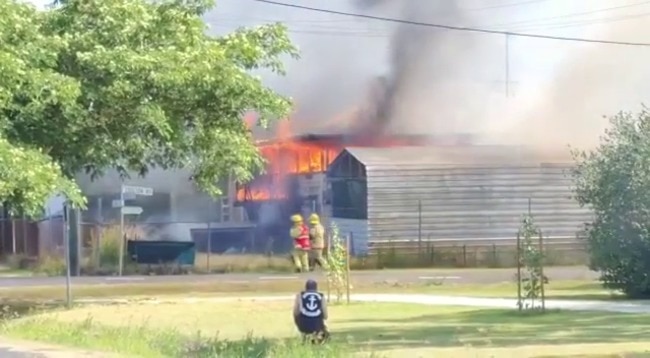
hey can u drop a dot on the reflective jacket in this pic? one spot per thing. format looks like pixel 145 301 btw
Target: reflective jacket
pixel 317 235
pixel 300 236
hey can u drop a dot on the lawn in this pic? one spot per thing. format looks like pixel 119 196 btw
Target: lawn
pixel 555 289
pixel 383 330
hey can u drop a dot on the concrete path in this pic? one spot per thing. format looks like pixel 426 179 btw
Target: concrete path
pixel 433 300
pixel 10 348
pixel 460 276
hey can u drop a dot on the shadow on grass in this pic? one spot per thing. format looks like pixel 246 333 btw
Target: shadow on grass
pixel 149 341
pixel 646 354
pixel 596 286
pixel 500 328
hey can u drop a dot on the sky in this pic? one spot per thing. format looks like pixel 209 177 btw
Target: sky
pixel 531 61
pixel 557 88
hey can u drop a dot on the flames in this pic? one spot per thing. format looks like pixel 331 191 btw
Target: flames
pixel 288 154
pixel 285 158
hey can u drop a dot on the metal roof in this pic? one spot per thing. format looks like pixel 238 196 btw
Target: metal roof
pixel 441 156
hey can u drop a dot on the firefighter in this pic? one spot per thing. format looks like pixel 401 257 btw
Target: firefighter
pixel 317 237
pixel 300 234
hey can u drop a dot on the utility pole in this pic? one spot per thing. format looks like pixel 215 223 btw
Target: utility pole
pixel 507 65
pixel 66 243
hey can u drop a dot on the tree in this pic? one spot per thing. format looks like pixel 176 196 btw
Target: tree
pixel 28 177
pixel 614 181
pixel 137 84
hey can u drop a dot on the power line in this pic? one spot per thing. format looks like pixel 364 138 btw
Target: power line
pixel 563 25
pixel 457 28
pixel 507 5
pixel 575 14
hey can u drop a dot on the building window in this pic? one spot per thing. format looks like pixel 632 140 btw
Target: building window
pixel 349 199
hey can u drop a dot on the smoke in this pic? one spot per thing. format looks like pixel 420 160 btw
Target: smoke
pixel 412 79
pixel 431 84
pixel 432 88
pixel 594 82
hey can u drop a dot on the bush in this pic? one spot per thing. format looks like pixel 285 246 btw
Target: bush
pixel 614 181
pixel 51 266
pixel 109 247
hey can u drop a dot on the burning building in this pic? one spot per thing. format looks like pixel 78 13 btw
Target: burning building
pixel 296 180
pixel 405 187
pixel 455 193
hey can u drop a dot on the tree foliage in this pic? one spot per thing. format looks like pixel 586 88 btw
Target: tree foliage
pixel 28 176
pixel 136 84
pixel 337 261
pixel 531 260
pixel 614 181
pixel 28 179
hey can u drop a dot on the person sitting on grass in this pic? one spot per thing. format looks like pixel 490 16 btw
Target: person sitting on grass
pixel 310 314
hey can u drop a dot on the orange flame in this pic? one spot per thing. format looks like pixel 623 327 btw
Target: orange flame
pixel 284 156
pixel 287 155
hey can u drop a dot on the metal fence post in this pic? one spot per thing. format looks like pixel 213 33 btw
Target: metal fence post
pixel 209 246
pixel 328 239
pixel 13 235
pixel 518 258
pixel 121 241
pixel 419 228
pixel 541 270
pixel 24 225
pixel 100 231
pixel 66 244
pixel 347 270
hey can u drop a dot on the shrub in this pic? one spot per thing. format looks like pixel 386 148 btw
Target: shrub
pixel 614 181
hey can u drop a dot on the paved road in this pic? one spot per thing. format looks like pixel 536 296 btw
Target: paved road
pixel 461 276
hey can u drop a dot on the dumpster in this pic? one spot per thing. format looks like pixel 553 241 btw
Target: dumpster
pixel 181 253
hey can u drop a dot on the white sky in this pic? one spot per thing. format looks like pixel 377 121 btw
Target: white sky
pixel 360 46
pixel 531 60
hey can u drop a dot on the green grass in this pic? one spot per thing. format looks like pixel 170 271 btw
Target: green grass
pixel 246 328
pixel 554 290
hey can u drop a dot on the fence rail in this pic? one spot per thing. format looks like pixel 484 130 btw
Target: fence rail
pixel 488 252
pixel 410 245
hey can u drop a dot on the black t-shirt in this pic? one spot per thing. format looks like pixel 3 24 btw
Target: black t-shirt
pixel 311 304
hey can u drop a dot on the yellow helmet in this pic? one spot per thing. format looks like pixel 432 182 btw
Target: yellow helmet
pixel 314 219
pixel 296 218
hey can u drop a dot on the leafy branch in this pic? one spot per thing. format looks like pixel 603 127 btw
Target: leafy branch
pixel 337 263
pixel 531 260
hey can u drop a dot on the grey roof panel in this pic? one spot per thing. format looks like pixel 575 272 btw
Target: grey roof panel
pixel 444 156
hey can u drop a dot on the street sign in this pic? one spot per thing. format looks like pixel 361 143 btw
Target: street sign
pixel 131 210
pixel 129 192
pixel 117 203
pixel 137 190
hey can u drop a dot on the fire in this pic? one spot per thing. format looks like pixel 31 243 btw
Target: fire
pixel 286 155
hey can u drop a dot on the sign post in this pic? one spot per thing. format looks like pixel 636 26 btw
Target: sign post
pixel 128 210
pixel 66 245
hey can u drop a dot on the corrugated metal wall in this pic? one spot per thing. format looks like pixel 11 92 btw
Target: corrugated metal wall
pixel 358 231
pixel 471 192
pixel 407 203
